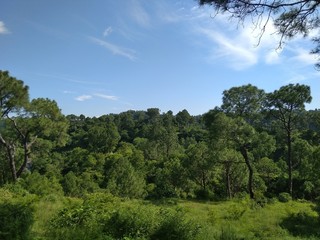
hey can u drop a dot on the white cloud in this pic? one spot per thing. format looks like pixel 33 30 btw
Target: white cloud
pixel 109 97
pixel 83 98
pixel 107 31
pixel 303 56
pixel 241 45
pixel 139 14
pixel 68 92
pixel 117 50
pixel 273 57
pixel 297 79
pixel 238 53
pixel 166 13
pixel 3 29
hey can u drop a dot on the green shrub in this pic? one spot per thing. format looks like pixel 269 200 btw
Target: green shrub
pixel 84 220
pixel 202 194
pixel 228 233
pixel 40 185
pixel 16 219
pixel 284 197
pixel 235 211
pixel 131 222
pixel 174 226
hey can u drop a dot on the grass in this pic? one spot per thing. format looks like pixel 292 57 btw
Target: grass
pixel 237 219
pixel 45 209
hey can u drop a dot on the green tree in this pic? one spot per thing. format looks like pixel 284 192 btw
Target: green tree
pixel 103 138
pixel 244 101
pixel 199 165
pixel 40 119
pixel 286 105
pixel 121 177
pixel 237 134
pixel 231 160
pixel 14 95
pixel 25 122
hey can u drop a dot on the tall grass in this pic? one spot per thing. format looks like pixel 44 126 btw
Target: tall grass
pixel 179 219
pixel 243 219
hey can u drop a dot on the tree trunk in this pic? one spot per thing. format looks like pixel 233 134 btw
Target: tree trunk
pixel 244 153
pixel 290 181
pixel 25 159
pixel 11 157
pixel 204 185
pixel 12 163
pixel 228 182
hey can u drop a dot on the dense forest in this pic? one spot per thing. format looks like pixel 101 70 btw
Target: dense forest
pixel 258 146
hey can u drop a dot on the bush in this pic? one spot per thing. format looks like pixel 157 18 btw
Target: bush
pixel 16 219
pixel 204 194
pixel 174 226
pixel 102 216
pixel 137 222
pixel 284 197
pixel 40 185
pixel 228 233
pixel 235 211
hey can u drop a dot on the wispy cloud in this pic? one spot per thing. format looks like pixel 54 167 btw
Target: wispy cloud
pixel 68 92
pixel 303 56
pixel 248 44
pixel 242 47
pixel 67 78
pixel 48 30
pixel 273 57
pixel 297 79
pixel 139 14
pixel 238 54
pixel 83 98
pixel 3 29
pixel 166 13
pixel 108 97
pixel 115 49
pixel 107 31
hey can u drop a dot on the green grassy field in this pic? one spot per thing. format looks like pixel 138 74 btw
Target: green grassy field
pixel 245 220
pixel 237 219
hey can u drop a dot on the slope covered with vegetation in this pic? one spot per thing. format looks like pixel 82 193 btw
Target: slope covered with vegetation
pixel 141 174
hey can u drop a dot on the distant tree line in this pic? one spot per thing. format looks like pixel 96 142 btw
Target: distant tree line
pixel 256 143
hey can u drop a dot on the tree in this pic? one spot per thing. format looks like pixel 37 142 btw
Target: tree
pixel 291 17
pixel 13 96
pixel 39 119
pixel 286 105
pixel 121 178
pixel 244 101
pixel 199 164
pixel 103 138
pixel 233 169
pixel 227 134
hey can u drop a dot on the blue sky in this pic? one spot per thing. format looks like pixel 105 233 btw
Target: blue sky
pixel 104 56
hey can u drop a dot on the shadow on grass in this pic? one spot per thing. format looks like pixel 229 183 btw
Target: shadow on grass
pixel 302 225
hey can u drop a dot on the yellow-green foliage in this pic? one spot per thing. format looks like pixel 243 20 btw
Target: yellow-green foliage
pixel 16 215
pixel 247 220
pixel 102 216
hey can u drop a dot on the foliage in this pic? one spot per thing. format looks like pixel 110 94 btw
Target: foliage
pixel 284 197
pixel 93 175
pixel 16 216
pixel 41 185
pixel 175 226
pixel 133 222
pixel 104 216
